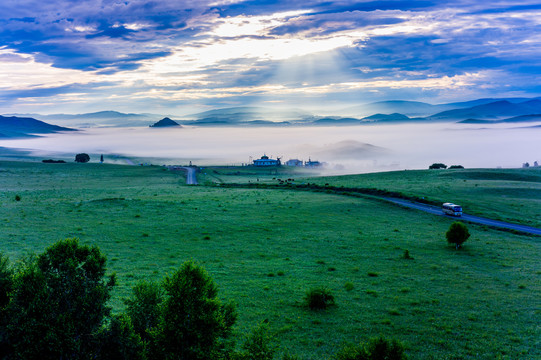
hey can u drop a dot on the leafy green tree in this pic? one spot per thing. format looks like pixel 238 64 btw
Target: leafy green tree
pixel 194 324
pixel 119 341
pixel 58 303
pixel 6 286
pixel 6 281
pixel 457 234
pixel 258 345
pixel 143 308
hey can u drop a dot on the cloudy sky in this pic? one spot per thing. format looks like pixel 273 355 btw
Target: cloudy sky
pixel 174 56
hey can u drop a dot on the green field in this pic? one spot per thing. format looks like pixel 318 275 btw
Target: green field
pixel 266 247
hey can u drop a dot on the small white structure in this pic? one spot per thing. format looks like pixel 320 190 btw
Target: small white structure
pixel 265 161
pixel 294 162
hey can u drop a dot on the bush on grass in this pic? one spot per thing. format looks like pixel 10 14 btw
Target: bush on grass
pixel 375 349
pixel 319 298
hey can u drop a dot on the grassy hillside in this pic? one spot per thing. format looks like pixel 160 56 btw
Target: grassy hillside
pixel 266 248
pixel 502 194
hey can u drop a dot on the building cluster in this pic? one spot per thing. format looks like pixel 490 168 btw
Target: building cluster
pixel 265 161
pixel 527 165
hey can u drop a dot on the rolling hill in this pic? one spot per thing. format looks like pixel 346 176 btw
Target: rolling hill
pixel 491 111
pixel 12 127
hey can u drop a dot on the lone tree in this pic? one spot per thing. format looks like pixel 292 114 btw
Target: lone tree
pixel 457 234
pixel 82 158
pixel 437 166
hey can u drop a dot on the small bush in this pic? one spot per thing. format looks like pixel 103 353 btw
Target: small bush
pixel 17 198
pixel 349 286
pixel 407 255
pixel 374 349
pixel 319 298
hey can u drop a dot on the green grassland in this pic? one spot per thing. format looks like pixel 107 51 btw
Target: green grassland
pixel 266 247
pixel 502 194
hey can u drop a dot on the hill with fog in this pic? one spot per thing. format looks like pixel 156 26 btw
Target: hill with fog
pixel 396 111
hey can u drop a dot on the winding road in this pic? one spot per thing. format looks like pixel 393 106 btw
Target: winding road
pixel 471 218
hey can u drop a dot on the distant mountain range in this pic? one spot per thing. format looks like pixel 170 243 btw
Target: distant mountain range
pixel 14 127
pixel 476 111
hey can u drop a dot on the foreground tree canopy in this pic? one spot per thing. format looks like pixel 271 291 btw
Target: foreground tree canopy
pixel 55 307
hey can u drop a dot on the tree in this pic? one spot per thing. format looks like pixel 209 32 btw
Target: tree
pixel 438 166
pixel 194 324
pixel 457 234
pixel 258 345
pixel 6 286
pixel 119 341
pixel 82 158
pixel 58 303
pixel 143 308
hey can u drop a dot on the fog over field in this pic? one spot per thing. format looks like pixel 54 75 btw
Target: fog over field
pixel 345 149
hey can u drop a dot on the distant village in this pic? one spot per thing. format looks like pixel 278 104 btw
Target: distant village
pixel 265 161
pixel 527 164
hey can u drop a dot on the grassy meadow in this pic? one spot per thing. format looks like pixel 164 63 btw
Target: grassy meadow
pixel 266 247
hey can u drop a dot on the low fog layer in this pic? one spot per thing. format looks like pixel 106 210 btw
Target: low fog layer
pixel 344 149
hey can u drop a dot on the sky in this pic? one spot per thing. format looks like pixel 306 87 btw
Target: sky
pixel 179 56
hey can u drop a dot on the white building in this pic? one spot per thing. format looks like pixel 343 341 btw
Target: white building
pixel 265 161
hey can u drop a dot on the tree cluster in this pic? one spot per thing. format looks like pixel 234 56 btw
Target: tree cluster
pixel 54 306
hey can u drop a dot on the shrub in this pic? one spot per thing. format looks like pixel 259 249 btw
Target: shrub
pixel 319 298
pixel 457 234
pixel 407 255
pixel 456 167
pixel 376 349
pixel 17 198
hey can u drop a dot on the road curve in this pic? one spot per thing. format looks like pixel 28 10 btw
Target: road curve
pixel 471 218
